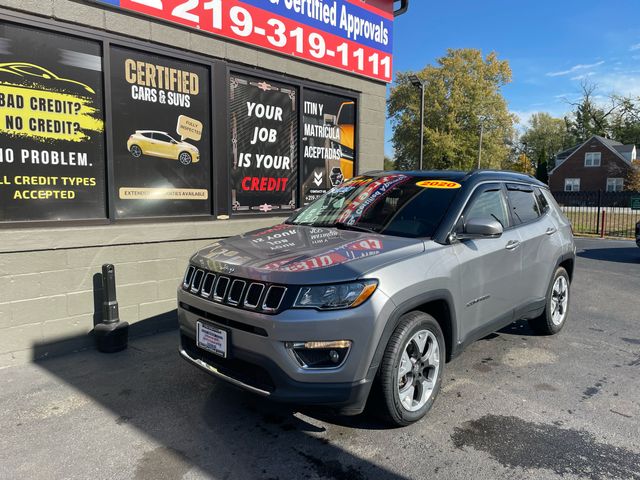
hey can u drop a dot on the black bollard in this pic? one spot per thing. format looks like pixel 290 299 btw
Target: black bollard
pixel 112 335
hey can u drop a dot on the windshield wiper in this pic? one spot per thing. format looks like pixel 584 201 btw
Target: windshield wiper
pixel 357 228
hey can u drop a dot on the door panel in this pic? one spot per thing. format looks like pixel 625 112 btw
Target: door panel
pixel 489 279
pixel 490 269
pixel 541 249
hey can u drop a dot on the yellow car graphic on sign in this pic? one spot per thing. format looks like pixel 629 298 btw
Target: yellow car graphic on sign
pixel 161 144
pixel 10 72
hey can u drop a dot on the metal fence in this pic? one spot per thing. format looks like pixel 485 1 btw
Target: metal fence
pixel 607 214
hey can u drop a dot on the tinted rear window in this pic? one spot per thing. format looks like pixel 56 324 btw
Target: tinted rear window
pixel 524 207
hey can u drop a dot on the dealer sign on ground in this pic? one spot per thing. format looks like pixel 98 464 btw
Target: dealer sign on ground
pixel 345 34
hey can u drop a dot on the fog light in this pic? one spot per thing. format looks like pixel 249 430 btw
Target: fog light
pixel 316 354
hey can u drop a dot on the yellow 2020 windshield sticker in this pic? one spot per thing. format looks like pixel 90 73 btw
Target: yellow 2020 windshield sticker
pixel 438 184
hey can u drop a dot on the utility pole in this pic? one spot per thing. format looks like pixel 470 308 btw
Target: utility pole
pixel 480 145
pixel 416 82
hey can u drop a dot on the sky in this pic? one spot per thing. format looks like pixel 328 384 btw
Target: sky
pixel 551 45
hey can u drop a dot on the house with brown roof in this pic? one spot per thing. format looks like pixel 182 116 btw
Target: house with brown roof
pixel 597 164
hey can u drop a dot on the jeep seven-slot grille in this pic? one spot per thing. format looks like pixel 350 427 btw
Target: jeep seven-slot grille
pixel 235 292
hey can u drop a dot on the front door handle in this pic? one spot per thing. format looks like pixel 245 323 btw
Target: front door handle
pixel 512 244
pixel 551 230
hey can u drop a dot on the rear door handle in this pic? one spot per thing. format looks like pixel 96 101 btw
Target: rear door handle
pixel 551 230
pixel 512 244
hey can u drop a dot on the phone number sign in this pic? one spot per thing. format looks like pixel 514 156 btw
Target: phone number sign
pixel 344 34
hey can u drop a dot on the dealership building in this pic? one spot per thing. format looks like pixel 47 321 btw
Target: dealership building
pixel 133 132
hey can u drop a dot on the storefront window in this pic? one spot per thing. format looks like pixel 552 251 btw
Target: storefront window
pixel 52 160
pixel 328 142
pixel 161 136
pixel 263 150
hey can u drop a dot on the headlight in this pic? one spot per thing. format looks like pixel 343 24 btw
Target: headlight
pixel 333 297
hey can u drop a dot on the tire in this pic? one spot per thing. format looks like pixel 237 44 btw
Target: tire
pixel 556 308
pixel 405 399
pixel 185 158
pixel 135 151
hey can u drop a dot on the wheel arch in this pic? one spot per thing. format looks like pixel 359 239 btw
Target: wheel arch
pixel 439 304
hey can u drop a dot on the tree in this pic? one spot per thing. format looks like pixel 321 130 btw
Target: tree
pixel 625 125
pixel 632 182
pixel 590 118
pixel 462 92
pixel 545 134
pixel 389 164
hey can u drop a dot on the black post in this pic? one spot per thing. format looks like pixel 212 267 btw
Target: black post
pixel 421 125
pixel 112 335
pixel 599 213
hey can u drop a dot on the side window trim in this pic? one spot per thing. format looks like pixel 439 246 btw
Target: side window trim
pixel 521 188
pixel 479 190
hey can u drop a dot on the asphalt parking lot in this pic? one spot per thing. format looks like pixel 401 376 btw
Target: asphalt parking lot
pixel 514 405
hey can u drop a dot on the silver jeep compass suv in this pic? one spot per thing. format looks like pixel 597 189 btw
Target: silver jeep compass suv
pixel 374 286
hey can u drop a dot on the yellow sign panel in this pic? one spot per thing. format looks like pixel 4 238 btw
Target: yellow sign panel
pixel 189 128
pixel 443 184
pixel 135 193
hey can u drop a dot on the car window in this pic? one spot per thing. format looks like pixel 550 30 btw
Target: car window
pixel 524 206
pixel 490 203
pixel 393 204
pixel 542 201
pixel 162 137
pixel 146 134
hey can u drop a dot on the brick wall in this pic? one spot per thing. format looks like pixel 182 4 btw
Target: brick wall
pixel 50 287
pixel 47 290
pixel 591 178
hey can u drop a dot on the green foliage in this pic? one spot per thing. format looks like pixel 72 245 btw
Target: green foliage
pixel 545 135
pixel 461 91
pixel 632 181
pixel 389 164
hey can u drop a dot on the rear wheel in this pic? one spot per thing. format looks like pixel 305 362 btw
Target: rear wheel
pixel 410 374
pixel 557 305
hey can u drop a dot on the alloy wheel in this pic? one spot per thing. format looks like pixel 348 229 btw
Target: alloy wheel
pixel 418 370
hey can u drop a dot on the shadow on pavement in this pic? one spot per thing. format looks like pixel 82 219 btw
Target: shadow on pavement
pixel 203 423
pixel 618 255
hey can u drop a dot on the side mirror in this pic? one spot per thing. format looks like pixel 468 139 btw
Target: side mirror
pixel 482 227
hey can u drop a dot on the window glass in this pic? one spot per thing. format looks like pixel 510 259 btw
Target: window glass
pixel 52 153
pixel 592 159
pixel 328 142
pixel 161 96
pixel 523 204
pixel 263 145
pixel 393 204
pixel 571 184
pixel 489 203
pixel 542 201
pixel 615 184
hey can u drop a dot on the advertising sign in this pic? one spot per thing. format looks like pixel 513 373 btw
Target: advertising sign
pixel 349 35
pixel 328 142
pixel 52 161
pixel 264 134
pixel 161 135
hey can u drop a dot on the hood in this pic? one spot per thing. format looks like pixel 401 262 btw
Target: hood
pixel 187 145
pixel 297 254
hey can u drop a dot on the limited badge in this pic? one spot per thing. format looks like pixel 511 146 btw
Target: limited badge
pixel 438 184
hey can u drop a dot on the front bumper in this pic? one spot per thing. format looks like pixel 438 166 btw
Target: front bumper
pixel 260 362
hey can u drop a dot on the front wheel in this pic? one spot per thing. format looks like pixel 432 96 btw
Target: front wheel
pixel 185 158
pixel 557 305
pixel 410 374
pixel 136 151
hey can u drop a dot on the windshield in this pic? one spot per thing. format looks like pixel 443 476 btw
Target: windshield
pixel 394 204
